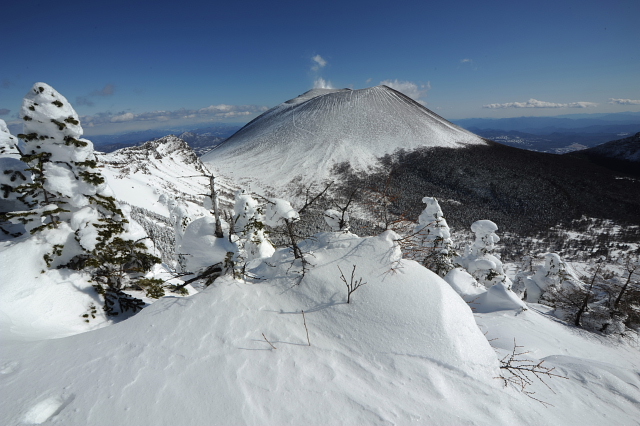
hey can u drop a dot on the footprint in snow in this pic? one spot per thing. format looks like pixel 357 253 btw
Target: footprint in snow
pixel 46 409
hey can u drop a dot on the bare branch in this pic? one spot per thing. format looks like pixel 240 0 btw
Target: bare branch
pixel 267 340
pixel 519 371
pixel 351 285
pixel 305 327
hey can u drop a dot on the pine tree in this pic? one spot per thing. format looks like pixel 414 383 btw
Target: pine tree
pixel 478 259
pixel 13 173
pixel 434 237
pixel 69 205
pixel 249 227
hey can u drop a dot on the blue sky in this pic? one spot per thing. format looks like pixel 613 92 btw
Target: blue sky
pixel 129 65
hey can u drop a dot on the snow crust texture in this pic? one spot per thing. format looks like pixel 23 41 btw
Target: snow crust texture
pixel 307 135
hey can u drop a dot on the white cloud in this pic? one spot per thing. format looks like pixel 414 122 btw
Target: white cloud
pixel 466 61
pixel 409 88
pixel 624 101
pixel 534 103
pixel 321 83
pixel 582 105
pixel 210 113
pixel 127 116
pixel 320 62
pixel 217 108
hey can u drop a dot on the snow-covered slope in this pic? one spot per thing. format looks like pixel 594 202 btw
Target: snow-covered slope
pixel 144 176
pixel 305 136
pixel 406 350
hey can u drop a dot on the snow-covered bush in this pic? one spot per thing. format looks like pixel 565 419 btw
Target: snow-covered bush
pixel 69 206
pixel 279 214
pixel 553 273
pixel 434 237
pixel 206 255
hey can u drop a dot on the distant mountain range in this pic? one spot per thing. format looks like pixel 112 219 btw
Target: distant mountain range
pixel 557 135
pixel 201 139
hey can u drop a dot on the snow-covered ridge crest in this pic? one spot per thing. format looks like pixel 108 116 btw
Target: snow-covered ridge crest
pixel 309 134
pixel 151 174
pixel 169 148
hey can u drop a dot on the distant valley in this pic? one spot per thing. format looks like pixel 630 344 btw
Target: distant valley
pixel 556 135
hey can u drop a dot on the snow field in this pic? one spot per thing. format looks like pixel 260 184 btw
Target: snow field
pixel 203 360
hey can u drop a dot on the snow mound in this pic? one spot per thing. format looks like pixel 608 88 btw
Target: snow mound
pixel 38 303
pixel 405 349
pixel 309 134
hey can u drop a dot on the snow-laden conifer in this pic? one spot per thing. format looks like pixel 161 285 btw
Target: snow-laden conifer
pixel 13 173
pixel 478 259
pixel 486 268
pixel 69 205
pixel 434 237
pixel 249 222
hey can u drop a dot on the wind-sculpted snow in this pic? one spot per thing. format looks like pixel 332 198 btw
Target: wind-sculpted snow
pixel 406 350
pixel 307 135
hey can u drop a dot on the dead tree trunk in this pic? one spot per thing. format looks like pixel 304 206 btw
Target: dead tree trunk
pixel 587 297
pixel 216 210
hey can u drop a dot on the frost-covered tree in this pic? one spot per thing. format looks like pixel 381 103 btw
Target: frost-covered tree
pixel 434 238
pixel 13 173
pixel 66 183
pixel 280 214
pixel 552 274
pixel 69 206
pixel 180 218
pixel 604 299
pixel 478 259
pixel 249 227
pixel 486 269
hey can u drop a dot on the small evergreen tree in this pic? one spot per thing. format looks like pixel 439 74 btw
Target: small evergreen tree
pixel 249 227
pixel 13 173
pixel 69 205
pixel 434 237
pixel 478 259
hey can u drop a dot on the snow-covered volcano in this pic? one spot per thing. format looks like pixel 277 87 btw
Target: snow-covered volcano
pixel 307 135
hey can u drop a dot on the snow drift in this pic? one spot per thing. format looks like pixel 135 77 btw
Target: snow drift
pixel 405 349
pixel 309 134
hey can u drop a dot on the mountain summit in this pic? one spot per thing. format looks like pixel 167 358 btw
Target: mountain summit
pixel 307 135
